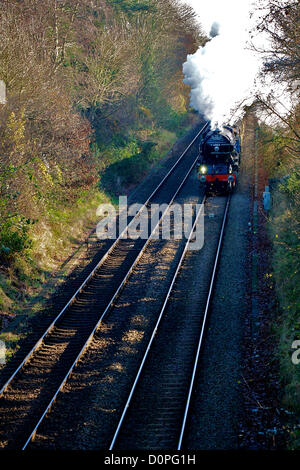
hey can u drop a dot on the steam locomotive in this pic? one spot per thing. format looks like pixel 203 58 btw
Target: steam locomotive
pixel 219 159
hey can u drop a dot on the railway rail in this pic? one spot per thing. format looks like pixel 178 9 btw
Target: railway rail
pixel 162 386
pixel 30 392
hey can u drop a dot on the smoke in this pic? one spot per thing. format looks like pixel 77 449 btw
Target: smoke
pixel 214 30
pixel 194 77
pixel 221 74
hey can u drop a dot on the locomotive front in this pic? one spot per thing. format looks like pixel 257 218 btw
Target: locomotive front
pixel 218 161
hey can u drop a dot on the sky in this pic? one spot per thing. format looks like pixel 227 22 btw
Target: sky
pixel 222 73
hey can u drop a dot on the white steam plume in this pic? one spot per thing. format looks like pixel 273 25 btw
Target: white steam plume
pixel 194 77
pixel 221 74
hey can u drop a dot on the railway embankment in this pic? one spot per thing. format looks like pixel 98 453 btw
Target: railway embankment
pixel 36 299
pixel 271 372
pixel 280 293
pixel 237 400
pixel 217 414
pixel 59 138
pixel 152 183
pixel 99 387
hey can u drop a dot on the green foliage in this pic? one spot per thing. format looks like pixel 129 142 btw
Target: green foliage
pixel 284 229
pixel 292 186
pixel 14 237
pixel 279 153
pixel 129 162
pixel 132 6
pixel 91 94
pixel 272 148
pixel 167 117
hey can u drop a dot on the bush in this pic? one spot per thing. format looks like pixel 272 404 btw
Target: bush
pixel 14 237
pixel 284 233
pixel 129 170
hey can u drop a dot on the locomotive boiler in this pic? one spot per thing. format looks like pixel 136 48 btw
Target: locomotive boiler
pixel 219 159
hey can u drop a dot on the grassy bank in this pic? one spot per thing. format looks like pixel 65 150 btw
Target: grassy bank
pixel 92 102
pixel 32 277
pixel 27 283
pixel 132 158
pixel 284 232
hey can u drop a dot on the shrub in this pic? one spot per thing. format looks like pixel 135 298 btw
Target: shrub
pixel 14 237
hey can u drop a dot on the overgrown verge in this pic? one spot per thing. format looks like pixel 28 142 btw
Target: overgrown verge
pixel 284 233
pixel 132 158
pixel 43 289
pixel 94 98
pixel 278 109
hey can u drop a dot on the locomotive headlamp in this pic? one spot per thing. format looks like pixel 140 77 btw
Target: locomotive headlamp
pixel 203 169
pixel 203 179
pixel 231 179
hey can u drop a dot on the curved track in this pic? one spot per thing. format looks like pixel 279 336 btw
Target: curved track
pixel 28 395
pixel 156 413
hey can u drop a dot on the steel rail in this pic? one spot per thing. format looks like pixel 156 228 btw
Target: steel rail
pixel 73 298
pixel 212 282
pixel 155 328
pixel 109 305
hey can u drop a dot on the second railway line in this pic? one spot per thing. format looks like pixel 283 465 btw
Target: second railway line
pixel 27 394
pixel 156 411
pixel 156 414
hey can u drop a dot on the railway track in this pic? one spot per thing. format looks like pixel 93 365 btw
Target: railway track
pixel 30 392
pixel 155 416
